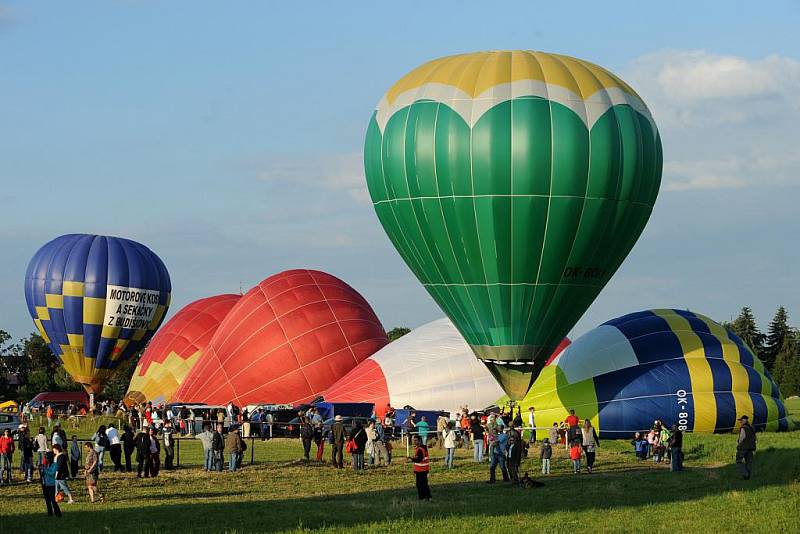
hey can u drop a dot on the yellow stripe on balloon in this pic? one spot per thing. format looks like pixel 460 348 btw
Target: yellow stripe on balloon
pixel 76 341
pixel 740 380
pixel 110 332
pixel 705 419
pixel 42 313
pixel 94 310
pixel 72 289
pixel 478 72
pixel 54 301
pixel 40 328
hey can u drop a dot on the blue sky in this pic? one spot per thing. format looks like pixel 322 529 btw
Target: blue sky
pixel 228 136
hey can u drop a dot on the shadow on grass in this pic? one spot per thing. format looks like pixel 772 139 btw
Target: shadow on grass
pixel 474 500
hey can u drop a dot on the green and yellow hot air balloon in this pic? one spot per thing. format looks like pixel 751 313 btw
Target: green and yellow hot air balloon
pixel 513 184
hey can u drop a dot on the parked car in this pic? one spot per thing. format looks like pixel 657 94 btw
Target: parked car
pixel 10 421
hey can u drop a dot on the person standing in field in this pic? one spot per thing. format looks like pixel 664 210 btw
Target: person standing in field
pixel 47 472
pixel 515 446
pixel 497 456
pixel 168 433
pixel 74 457
pixel 92 472
pixel 676 449
pixel 745 447
pixel 142 441
pixel 359 437
pixel 6 456
pixel 218 445
pixel 26 450
pixel 339 437
pixel 154 451
pixel 476 432
pixel 422 466
pixel 575 452
pixel 532 425
pixel 572 423
pixel 464 425
pixel 62 471
pixel 128 445
pixel 115 447
pixel 40 446
pixel 206 437
pixel 545 455
pixel 423 428
pixel 589 442
pixel 449 440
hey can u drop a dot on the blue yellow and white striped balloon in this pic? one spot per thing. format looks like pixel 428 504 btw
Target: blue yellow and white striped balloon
pixel 96 301
pixel 673 365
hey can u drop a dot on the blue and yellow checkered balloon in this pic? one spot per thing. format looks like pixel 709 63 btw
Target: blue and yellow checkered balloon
pixel 96 301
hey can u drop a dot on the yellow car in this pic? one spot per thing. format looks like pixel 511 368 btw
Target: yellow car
pixel 9 407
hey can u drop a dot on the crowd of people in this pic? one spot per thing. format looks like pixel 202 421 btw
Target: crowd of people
pixel 497 438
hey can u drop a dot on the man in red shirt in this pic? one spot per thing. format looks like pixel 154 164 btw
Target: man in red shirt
pixel 572 422
pixel 6 454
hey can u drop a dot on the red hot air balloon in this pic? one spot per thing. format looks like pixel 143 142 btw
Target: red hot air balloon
pixel 285 341
pixel 176 348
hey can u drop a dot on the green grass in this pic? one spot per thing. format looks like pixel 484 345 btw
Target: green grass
pixel 283 494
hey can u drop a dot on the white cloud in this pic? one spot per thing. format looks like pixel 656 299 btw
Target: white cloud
pixel 725 121
pixel 341 172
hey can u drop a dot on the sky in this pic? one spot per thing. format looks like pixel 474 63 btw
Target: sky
pixel 228 138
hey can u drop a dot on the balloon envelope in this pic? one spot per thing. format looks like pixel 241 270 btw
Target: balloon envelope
pixel 513 184
pixel 430 368
pixel 673 365
pixel 97 301
pixel 285 341
pixel 176 348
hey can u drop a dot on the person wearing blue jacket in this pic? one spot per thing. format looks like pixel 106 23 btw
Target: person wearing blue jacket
pixel 499 451
pixel 48 477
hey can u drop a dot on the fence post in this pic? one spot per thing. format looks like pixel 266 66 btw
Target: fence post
pixel 178 453
pixel 252 449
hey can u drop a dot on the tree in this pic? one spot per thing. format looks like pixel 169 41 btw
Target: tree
pixel 745 327
pixel 786 372
pixel 777 333
pixel 397 332
pixel 117 386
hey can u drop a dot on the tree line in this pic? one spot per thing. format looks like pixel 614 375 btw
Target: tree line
pixel 31 361
pixel 778 349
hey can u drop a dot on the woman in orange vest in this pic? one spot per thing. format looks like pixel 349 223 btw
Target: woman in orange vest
pixel 422 465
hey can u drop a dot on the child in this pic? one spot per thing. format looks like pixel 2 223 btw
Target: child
pixel 575 455
pixel 545 455
pixel 640 446
pixel 48 476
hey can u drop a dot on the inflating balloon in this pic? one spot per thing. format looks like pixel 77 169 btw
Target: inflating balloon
pixel 513 184
pixel 176 348
pixel 96 301
pixel 673 365
pixel 430 368
pixel 285 341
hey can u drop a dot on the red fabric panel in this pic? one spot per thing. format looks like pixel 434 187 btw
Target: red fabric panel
pixel 365 383
pixel 286 341
pixel 188 331
pixel 561 346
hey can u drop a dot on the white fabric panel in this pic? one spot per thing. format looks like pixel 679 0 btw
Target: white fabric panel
pixel 433 368
pixel 598 351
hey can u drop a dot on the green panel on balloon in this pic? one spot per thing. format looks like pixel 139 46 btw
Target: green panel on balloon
pixel 513 195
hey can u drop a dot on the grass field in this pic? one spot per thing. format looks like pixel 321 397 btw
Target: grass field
pixel 284 494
